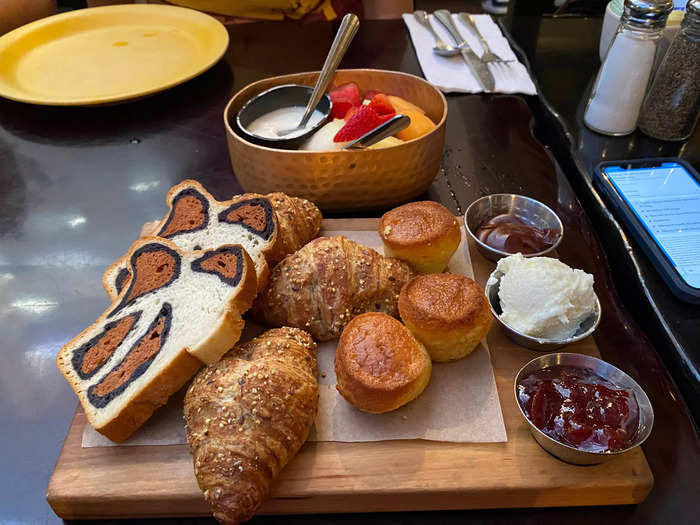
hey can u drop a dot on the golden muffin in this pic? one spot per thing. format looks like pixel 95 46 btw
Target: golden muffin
pixel 448 313
pixel 424 234
pixel 379 365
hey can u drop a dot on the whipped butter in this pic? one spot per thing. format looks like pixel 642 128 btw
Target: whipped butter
pixel 543 297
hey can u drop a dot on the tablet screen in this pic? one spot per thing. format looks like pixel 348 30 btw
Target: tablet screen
pixel 666 200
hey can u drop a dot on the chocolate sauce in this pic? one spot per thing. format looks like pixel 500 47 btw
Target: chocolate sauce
pixel 510 233
pixel 579 408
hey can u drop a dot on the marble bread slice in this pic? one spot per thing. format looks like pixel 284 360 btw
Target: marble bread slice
pixel 178 311
pixel 197 221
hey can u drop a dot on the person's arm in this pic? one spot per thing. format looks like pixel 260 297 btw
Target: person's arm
pixel 16 13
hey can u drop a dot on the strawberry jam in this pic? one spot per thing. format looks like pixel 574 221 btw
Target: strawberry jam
pixel 579 408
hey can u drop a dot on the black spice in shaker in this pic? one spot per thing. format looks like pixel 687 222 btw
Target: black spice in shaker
pixel 671 107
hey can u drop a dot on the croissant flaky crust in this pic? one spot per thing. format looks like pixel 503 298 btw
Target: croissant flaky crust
pixel 321 287
pixel 247 416
pixel 299 220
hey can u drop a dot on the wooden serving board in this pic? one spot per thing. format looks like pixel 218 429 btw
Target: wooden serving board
pixel 327 477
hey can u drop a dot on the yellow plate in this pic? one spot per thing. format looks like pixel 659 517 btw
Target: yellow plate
pixel 107 54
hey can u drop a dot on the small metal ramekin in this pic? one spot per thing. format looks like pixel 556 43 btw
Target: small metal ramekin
pixel 606 371
pixel 528 209
pixel 586 328
pixel 287 95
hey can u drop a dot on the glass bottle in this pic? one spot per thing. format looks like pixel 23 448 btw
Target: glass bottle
pixel 622 81
pixel 671 107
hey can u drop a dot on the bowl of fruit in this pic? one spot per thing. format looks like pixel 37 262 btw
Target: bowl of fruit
pixel 396 169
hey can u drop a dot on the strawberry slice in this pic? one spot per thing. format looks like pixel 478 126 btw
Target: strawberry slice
pixel 363 120
pixel 370 94
pixel 348 91
pixel 380 103
pixel 384 118
pixel 341 105
pixel 351 112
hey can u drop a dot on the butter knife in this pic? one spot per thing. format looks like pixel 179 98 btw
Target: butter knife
pixel 479 68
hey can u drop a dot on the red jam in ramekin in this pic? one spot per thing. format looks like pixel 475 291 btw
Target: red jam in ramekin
pixel 577 407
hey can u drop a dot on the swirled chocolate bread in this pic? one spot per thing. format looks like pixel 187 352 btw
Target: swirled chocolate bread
pixel 178 311
pixel 269 227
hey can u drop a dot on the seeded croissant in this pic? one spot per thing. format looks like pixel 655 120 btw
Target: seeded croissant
pixel 247 416
pixel 321 287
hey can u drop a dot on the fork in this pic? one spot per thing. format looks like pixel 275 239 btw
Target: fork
pixel 488 55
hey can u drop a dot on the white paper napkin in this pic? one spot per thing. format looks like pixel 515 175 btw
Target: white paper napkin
pixel 451 74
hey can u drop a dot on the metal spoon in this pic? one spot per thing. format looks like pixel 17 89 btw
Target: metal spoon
pixel 384 130
pixel 346 32
pixel 441 48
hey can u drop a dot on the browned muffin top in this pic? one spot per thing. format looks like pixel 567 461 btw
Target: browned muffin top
pixel 376 353
pixel 442 301
pixel 417 223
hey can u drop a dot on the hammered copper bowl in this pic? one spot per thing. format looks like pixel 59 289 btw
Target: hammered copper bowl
pixel 344 180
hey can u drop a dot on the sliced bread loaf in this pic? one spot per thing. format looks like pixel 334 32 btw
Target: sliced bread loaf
pixel 298 222
pixel 180 309
pixel 197 221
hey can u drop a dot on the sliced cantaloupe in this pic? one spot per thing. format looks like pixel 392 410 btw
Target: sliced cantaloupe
pixel 420 125
pixel 401 105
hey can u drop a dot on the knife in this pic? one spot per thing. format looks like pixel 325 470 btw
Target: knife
pixel 479 68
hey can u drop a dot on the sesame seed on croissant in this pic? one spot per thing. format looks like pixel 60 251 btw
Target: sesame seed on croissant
pixel 247 416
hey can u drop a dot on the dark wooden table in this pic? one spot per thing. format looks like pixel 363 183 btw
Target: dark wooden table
pixel 78 183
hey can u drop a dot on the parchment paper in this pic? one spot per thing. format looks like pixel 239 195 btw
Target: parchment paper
pixel 460 404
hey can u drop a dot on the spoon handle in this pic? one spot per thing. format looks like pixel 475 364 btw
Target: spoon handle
pixel 387 129
pixel 422 18
pixel 443 15
pixel 346 32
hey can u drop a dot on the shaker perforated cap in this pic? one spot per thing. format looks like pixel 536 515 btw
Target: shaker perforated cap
pixel 647 13
pixel 691 20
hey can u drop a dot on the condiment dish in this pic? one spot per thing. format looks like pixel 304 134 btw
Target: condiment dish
pixel 530 210
pixel 586 328
pixel 287 95
pixel 608 372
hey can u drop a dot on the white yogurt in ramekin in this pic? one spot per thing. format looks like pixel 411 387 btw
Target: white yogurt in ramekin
pixel 282 119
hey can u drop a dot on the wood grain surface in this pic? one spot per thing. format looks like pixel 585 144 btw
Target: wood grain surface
pixel 326 477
